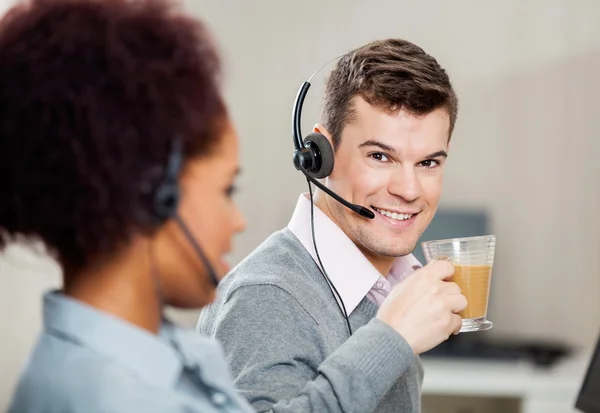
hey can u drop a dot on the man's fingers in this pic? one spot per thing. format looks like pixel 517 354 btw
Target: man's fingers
pixel 457 323
pixel 441 269
pixel 456 302
pixel 450 288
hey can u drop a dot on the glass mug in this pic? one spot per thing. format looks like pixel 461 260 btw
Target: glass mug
pixel 473 259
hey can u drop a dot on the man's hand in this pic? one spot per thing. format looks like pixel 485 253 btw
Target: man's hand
pixel 423 309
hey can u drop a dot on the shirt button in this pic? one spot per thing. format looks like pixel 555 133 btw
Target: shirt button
pixel 219 399
pixel 379 284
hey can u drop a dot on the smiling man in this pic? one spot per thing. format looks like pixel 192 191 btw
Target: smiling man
pixel 389 111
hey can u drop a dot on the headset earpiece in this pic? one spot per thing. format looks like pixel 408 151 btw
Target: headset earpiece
pixel 166 200
pixel 166 196
pixel 316 157
pixel 160 189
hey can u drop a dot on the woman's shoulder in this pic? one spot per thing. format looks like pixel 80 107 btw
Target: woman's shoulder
pixel 61 375
pixel 64 376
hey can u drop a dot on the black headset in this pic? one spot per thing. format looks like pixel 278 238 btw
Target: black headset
pixel 314 155
pixel 161 190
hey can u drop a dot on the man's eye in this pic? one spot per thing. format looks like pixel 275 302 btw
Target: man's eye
pixel 430 163
pixel 379 157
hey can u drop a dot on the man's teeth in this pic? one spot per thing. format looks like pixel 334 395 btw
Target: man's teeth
pixel 394 215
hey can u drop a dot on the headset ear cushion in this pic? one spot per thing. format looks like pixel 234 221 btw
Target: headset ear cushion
pixel 166 201
pixel 324 155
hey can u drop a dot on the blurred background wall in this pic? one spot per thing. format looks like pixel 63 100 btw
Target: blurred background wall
pixel 526 146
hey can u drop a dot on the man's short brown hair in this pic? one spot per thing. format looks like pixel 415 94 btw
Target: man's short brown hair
pixel 392 74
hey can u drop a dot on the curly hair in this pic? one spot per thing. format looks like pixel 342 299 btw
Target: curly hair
pixel 92 93
pixel 392 74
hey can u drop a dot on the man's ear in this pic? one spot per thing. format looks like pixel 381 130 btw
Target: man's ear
pixel 319 128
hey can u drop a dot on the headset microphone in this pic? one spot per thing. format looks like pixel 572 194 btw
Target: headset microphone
pixel 365 212
pixel 212 274
pixel 314 156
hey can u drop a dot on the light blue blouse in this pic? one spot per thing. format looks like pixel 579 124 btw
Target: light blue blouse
pixel 90 362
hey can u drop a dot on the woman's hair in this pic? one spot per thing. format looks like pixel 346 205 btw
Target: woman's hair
pixel 92 95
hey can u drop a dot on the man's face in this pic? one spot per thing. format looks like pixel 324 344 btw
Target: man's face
pixel 394 165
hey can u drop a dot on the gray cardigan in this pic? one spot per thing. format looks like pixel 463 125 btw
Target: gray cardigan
pixel 287 342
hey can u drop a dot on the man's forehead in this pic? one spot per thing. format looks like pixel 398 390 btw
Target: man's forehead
pixel 384 123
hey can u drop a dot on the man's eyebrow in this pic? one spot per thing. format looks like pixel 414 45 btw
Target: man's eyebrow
pixel 378 144
pixel 388 148
pixel 437 154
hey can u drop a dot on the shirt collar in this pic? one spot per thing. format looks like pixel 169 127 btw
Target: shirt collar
pixel 151 357
pixel 349 270
pixel 402 268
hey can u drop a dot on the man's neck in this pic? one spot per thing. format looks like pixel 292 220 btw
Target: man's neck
pixel 383 264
